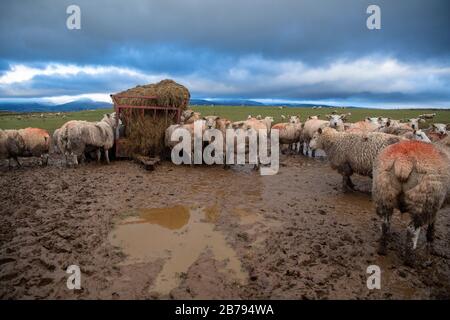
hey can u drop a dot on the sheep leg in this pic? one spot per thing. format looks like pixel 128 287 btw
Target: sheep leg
pixel 350 183
pixel 256 166
pixel 412 237
pixel 430 238
pixel 346 171
pixel 300 147
pixel 386 214
pixel 107 156
pixel 44 159
pixel 430 233
pixel 313 153
pixel 75 159
pixel 9 163
pixel 18 163
pixel 99 155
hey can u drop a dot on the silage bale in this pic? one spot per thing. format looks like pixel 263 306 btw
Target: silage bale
pixel 145 129
pixel 168 94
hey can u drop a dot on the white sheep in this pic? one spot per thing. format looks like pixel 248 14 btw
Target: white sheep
pixel 337 121
pixel 310 127
pixel 189 116
pixel 77 136
pixel 290 132
pixel 350 153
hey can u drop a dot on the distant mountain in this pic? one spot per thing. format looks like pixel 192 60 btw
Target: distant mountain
pixel 80 105
pixel 241 102
pixel 23 107
pixel 77 105
pixel 234 102
pixel 87 104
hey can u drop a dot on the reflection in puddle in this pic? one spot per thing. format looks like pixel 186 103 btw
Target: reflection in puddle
pixel 170 218
pixel 179 235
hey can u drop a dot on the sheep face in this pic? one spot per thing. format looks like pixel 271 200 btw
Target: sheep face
pixel 414 123
pixel 336 120
pixel 373 120
pixel 186 115
pixel 293 119
pixel 315 142
pixel 211 122
pixel 439 128
pixel 384 122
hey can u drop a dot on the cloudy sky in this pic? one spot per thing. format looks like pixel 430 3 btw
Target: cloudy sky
pixel 300 50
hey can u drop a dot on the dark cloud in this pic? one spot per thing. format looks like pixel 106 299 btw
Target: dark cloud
pixel 309 30
pixel 203 41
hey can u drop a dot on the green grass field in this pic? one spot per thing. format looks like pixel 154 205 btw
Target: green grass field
pixel 51 121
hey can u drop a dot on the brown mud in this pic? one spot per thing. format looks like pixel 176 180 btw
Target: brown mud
pixel 203 232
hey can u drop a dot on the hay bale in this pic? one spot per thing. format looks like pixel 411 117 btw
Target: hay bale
pixel 144 132
pixel 145 129
pixel 168 94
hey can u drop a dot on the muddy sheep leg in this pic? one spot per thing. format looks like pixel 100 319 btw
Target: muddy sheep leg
pixel 257 164
pixel 412 237
pixel 99 155
pixel 44 159
pixel 346 172
pixel 66 155
pixel 75 159
pixel 17 160
pixel 107 155
pixel 346 183
pixel 9 163
pixel 385 214
pixel 430 238
pixel 82 158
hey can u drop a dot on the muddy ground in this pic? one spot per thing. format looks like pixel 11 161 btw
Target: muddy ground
pixel 294 235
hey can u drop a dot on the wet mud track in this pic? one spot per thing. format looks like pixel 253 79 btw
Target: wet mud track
pixel 203 232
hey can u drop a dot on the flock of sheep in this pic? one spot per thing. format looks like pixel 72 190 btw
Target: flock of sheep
pixel 74 139
pixel 410 167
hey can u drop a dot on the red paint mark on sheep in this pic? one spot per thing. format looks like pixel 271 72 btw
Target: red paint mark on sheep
pixel 278 126
pixel 414 149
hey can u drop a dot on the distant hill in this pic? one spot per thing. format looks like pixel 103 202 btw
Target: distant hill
pixel 243 102
pixel 87 104
pixel 234 102
pixel 77 105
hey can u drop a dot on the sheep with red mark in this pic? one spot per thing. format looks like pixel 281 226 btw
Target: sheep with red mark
pixel 28 142
pixel 413 177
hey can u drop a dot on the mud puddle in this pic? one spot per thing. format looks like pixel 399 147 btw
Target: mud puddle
pixel 179 235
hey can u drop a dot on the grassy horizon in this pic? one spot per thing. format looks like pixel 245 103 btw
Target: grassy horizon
pixel 50 120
